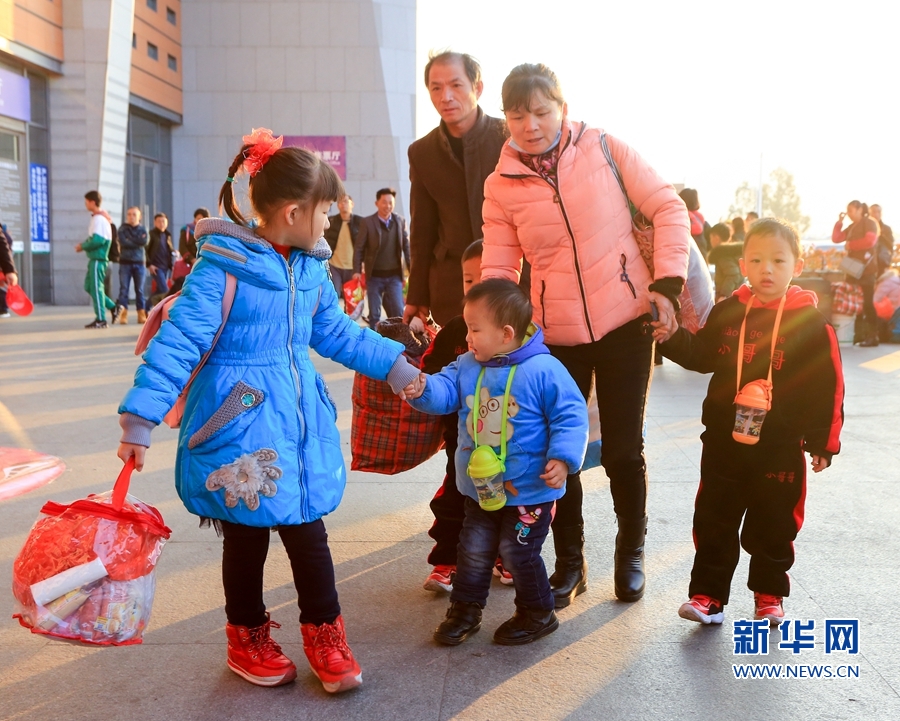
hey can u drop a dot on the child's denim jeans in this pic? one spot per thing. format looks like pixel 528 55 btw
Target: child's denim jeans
pixel 517 533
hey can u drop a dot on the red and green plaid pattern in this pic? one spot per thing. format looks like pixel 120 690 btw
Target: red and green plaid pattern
pixel 847 299
pixel 388 435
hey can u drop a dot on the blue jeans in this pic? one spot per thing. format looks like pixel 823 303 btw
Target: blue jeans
pixel 384 290
pixel 339 276
pixel 127 272
pixel 161 277
pixel 518 533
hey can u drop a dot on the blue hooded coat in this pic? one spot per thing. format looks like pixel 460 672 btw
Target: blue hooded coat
pixel 258 443
pixel 548 417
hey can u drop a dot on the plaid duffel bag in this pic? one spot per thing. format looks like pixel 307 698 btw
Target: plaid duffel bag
pixel 388 435
pixel 847 298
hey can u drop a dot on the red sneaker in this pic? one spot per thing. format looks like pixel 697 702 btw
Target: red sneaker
pixel 702 609
pixel 505 576
pixel 254 655
pixel 768 607
pixel 440 580
pixel 330 658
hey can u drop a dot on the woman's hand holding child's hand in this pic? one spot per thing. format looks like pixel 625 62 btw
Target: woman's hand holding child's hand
pixel 414 389
pixel 665 327
pixel 819 463
pixel 555 473
pixel 127 450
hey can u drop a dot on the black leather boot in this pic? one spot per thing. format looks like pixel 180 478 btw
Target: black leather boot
pixel 525 626
pixel 629 572
pixel 569 579
pixel 463 619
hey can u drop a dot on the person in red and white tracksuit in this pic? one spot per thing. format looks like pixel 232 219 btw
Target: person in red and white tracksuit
pixel 762 484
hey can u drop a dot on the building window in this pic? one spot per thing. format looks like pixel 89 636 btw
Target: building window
pixel 171 17
pixel 133 40
pixel 152 5
pixel 153 51
pixel 173 63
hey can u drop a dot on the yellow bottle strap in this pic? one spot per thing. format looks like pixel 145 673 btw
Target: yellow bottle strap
pixel 476 411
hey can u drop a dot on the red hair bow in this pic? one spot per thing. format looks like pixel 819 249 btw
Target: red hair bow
pixel 264 145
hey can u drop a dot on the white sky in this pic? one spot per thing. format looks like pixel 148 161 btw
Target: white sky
pixel 700 88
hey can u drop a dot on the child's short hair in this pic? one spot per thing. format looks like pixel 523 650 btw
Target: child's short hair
pixel 505 301
pixel 94 196
pixel 778 227
pixel 289 175
pixel 721 230
pixel 202 212
pixel 160 215
pixel 473 250
pixel 737 224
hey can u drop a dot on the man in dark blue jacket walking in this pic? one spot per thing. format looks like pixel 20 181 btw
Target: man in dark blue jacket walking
pixel 132 264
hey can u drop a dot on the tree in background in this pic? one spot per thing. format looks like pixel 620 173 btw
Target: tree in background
pixel 779 199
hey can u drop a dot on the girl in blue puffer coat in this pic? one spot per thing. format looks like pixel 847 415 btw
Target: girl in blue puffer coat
pixel 259 447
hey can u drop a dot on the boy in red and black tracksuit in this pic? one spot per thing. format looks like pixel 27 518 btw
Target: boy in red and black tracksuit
pixel 765 481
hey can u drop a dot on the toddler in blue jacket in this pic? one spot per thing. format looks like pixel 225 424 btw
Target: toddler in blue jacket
pixel 259 447
pixel 507 379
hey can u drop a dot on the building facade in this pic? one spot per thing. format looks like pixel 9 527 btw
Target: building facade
pixel 147 100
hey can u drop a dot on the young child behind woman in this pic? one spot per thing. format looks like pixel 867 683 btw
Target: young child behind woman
pixel 508 378
pixel 754 471
pixel 258 447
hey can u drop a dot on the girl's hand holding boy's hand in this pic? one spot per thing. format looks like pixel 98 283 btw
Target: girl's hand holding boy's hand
pixel 819 463
pixel 414 389
pixel 555 473
pixel 127 450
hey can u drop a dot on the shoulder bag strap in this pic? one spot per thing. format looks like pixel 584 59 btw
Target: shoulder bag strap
pixel 227 302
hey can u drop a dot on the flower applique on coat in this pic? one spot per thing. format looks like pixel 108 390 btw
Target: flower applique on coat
pixel 246 478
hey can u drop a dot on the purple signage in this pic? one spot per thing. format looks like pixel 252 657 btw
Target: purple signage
pixel 15 96
pixel 330 148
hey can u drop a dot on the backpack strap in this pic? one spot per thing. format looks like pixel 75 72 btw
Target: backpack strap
pixel 227 302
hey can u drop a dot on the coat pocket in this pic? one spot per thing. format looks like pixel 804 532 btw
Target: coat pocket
pixel 325 397
pixel 237 411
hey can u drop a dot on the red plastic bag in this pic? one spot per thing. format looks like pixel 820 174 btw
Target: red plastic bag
pixel 86 571
pixel 354 295
pixel 387 435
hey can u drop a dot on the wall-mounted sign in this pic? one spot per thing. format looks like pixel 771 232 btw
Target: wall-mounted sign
pixel 330 148
pixel 15 96
pixel 40 208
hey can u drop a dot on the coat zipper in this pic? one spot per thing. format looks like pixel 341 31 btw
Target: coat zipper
pixel 295 374
pixel 543 307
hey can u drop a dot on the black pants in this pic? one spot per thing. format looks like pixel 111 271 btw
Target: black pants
pixel 621 365
pixel 244 555
pixel 448 507
pixel 767 490
pixel 869 315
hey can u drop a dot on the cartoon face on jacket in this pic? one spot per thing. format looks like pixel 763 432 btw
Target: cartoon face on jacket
pixel 490 418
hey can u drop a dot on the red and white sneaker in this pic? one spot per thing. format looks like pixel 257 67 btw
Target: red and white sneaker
pixel 768 607
pixel 254 655
pixel 702 609
pixel 440 580
pixel 505 576
pixel 330 658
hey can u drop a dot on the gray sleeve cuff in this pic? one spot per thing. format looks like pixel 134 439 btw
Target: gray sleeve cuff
pixel 401 374
pixel 135 429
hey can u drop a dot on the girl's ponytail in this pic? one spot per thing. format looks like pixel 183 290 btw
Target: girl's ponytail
pixel 226 195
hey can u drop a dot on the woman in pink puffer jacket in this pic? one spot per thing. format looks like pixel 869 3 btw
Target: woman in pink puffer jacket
pixel 554 199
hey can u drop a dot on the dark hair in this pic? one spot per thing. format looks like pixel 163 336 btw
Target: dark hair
pixel 753 213
pixel 160 215
pixel 690 198
pixel 473 250
pixel 201 211
pixel 721 230
pixel 384 191
pixel 506 303
pixel 445 57
pixel 94 196
pixel 864 225
pixel 524 81
pixel 777 227
pixel 737 225
pixel 291 174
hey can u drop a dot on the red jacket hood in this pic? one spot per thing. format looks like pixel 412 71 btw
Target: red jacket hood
pixel 797 297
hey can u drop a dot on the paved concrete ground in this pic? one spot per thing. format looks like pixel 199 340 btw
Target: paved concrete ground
pixel 609 660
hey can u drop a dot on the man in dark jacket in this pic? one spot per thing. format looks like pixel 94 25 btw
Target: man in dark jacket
pixel 341 236
pixel 187 244
pixel 447 170
pixel 160 254
pixel 132 261
pixel 7 267
pixel 382 246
